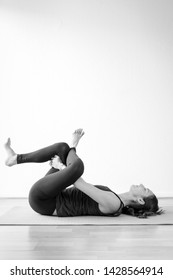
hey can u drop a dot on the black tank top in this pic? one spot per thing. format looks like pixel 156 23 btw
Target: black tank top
pixel 73 202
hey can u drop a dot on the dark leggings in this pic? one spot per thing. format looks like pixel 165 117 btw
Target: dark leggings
pixel 42 196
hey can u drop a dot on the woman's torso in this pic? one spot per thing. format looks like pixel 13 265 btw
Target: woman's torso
pixel 73 202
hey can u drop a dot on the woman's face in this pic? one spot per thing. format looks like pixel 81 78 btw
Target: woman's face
pixel 140 191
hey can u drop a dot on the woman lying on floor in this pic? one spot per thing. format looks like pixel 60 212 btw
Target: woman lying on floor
pixel 51 196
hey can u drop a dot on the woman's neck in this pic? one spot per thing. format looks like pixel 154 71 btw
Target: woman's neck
pixel 126 198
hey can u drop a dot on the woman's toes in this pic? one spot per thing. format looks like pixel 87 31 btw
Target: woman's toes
pixel 7 144
pixel 81 133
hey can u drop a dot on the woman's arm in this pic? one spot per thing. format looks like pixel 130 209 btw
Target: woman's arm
pixel 108 202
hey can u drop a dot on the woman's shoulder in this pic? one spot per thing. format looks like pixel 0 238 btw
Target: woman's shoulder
pixel 111 205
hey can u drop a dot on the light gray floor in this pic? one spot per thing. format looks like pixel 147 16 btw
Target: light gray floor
pixel 151 242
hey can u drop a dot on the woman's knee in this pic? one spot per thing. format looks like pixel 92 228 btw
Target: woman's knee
pixel 62 150
pixel 61 147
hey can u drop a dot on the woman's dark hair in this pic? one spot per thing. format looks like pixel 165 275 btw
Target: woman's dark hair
pixel 149 208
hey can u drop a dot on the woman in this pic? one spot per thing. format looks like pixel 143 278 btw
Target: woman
pixel 51 195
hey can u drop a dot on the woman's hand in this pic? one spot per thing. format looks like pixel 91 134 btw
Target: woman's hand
pixel 57 163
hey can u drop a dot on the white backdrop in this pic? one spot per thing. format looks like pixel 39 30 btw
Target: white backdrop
pixel 103 65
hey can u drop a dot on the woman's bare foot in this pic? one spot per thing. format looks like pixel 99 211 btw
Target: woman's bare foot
pixel 57 163
pixel 76 136
pixel 11 155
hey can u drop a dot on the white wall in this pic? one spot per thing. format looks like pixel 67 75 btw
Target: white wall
pixel 104 65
